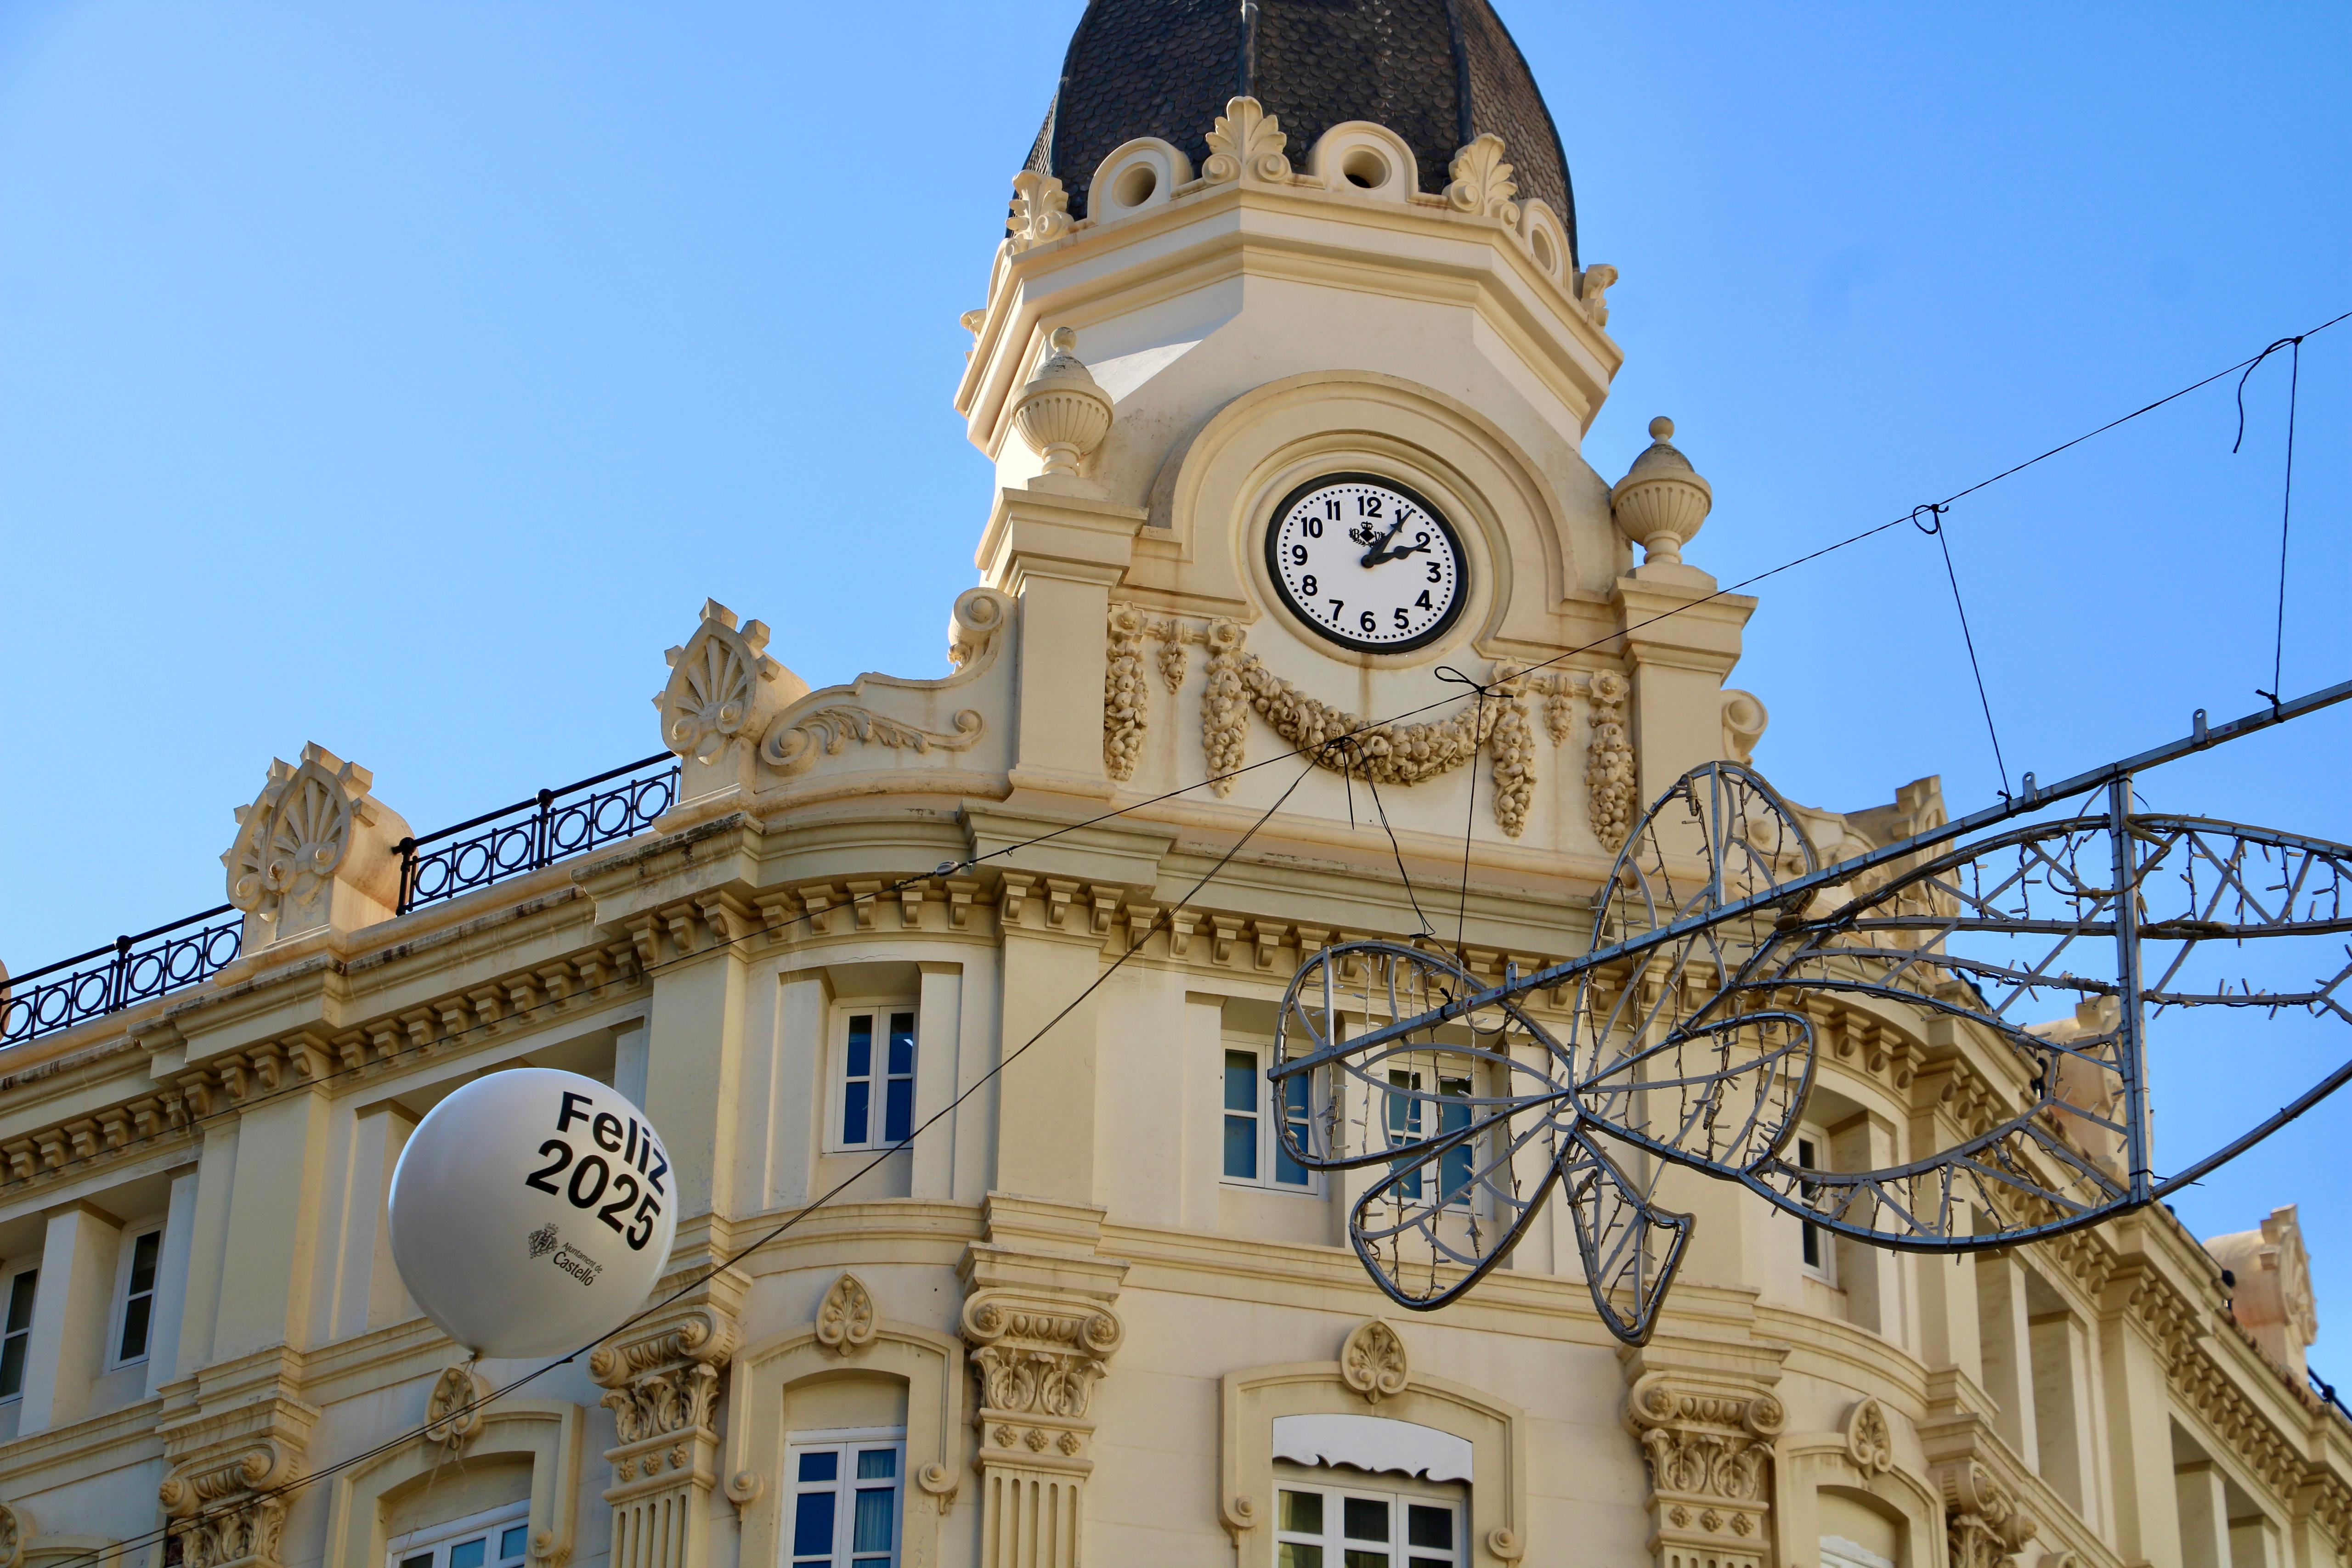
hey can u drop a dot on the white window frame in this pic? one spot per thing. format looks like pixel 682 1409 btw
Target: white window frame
pixel 439 1539
pixel 125 1249
pixel 8 1294
pixel 1807 1145
pixel 1264 1113
pixel 1397 1491
pixel 842 1440
pixel 1414 1126
pixel 837 1073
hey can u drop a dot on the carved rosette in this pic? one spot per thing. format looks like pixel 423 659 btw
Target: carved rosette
pixel 1037 1358
pixel 1709 1452
pixel 661 1380
pixel 224 1509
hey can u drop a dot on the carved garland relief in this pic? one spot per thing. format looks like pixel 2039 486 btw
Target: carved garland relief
pixel 1239 683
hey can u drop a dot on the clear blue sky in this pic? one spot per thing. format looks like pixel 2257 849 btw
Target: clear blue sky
pixel 404 376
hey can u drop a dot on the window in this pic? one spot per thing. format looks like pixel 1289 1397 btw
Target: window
pixel 877 1077
pixel 494 1540
pixel 1352 1527
pixel 1819 1257
pixel 845 1489
pixel 17 1331
pixel 135 1294
pixel 1253 1148
pixel 1405 1120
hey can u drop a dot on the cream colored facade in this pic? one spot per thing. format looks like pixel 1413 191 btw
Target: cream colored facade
pixel 1079 1328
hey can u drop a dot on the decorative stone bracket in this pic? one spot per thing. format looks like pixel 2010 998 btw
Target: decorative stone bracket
pixel 1983 1522
pixel 1709 1452
pixel 661 1380
pixel 315 851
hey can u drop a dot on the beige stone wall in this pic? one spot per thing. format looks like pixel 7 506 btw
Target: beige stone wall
pixel 1084 1330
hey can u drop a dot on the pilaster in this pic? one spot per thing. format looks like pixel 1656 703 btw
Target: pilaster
pixel 1039 1315
pixel 67 1344
pixel 661 1378
pixel 1679 645
pixel 230 1457
pixel 1706 1423
pixel 1059 554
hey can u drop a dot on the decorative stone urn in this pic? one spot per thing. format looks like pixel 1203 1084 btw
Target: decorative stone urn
pixel 1661 501
pixel 1062 413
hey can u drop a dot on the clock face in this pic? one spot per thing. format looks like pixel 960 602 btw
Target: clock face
pixel 1366 562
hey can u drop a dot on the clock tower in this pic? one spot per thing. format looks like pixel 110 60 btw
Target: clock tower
pixel 1286 365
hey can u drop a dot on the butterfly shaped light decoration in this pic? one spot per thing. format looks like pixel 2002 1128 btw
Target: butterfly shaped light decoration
pixel 1722 959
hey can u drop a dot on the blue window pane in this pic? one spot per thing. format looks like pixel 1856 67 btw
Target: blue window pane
pixel 871 1528
pixel 1294 1097
pixel 861 1045
pixel 812 1522
pixel 899 1109
pixel 1427 1525
pixel 1241 1147
pixel 820 1468
pixel 1241 1080
pixel 1295 1113
pixel 510 1544
pixel 470 1554
pixel 902 1043
pixel 852 1113
pixel 877 1464
pixel 1288 1170
pixel 1453 1166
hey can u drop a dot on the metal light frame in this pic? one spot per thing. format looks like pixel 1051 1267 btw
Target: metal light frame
pixel 1690 1043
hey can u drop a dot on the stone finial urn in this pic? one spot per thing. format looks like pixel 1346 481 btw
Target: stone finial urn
pixel 1662 500
pixel 1062 413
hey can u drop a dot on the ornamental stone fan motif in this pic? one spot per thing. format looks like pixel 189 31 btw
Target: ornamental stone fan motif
pixel 1695 1026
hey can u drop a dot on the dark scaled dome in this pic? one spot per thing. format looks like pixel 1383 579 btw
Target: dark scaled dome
pixel 1439 73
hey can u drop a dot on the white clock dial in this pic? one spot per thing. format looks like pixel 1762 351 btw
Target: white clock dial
pixel 1366 562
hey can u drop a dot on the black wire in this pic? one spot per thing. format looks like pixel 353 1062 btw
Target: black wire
pixel 1397 850
pixel 2286 501
pixel 947 868
pixel 1935 525
pixel 1134 947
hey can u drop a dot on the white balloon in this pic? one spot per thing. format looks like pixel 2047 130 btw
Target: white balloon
pixel 531 1212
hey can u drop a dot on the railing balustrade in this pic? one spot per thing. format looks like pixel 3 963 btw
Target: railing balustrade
pixel 108 979
pixel 553 825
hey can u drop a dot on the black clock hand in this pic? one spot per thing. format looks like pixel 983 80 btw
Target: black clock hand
pixel 1380 552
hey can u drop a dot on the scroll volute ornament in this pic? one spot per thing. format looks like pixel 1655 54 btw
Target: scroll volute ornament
pixel 1061 413
pixel 1869 1440
pixel 453 1411
pixel 723 690
pixel 1983 1523
pixel 1661 501
pixel 1246 142
pixel 314 849
pixel 16 1529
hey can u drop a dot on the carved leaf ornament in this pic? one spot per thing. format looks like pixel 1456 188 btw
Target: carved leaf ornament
pixel 713 683
pixel 795 748
pixel 1720 914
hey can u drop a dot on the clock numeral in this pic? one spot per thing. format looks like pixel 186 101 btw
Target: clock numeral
pixel 1336 606
pixel 1307 586
pixel 1423 602
pixel 1330 510
pixel 1403 621
pixel 1313 526
pixel 1299 555
pixel 1367 622
pixel 1368 506
pixel 1435 575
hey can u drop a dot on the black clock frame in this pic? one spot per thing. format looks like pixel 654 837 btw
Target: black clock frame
pixel 1282 592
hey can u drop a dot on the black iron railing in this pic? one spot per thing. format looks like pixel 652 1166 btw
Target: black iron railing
pixel 524 837
pixel 108 979
pixel 546 828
